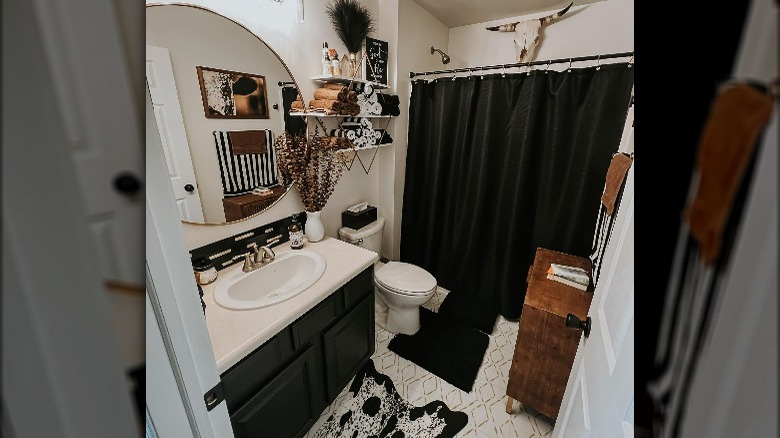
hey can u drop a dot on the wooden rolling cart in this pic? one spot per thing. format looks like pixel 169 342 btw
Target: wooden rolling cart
pixel 545 347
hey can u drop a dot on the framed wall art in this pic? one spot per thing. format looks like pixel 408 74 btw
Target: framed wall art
pixel 233 95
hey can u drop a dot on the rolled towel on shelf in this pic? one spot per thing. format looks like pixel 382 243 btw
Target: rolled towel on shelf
pixel 384 136
pixel 326 94
pixel 297 105
pixel 333 86
pixel 351 109
pixel 329 106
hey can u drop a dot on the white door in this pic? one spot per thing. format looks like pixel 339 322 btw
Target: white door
pixel 599 397
pixel 102 132
pixel 167 112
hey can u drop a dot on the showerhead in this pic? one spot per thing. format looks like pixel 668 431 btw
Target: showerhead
pixel 445 59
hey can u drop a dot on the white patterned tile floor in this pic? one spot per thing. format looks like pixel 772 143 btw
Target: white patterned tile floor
pixel 485 404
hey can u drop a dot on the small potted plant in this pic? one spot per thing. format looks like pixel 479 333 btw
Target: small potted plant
pixel 315 168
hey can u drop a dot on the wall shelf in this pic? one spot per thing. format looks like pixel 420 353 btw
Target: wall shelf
pixel 357 149
pixel 316 114
pixel 347 80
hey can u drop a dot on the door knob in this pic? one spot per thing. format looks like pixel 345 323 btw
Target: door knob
pixel 189 187
pixel 127 184
pixel 575 323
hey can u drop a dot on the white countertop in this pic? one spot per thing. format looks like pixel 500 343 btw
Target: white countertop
pixel 236 333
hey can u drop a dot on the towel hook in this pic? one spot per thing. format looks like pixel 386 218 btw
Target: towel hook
pixel 598 63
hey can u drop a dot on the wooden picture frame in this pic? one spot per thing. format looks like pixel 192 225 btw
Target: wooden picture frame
pixel 230 94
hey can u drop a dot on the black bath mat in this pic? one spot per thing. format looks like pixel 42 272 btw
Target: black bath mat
pixel 470 311
pixel 373 408
pixel 444 347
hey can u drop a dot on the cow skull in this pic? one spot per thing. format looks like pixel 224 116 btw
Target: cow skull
pixel 527 33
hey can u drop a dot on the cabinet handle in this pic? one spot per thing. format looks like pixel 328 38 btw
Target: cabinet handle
pixel 575 323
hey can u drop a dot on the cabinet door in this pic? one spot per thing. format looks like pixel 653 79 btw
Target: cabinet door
pixel 283 408
pixel 348 344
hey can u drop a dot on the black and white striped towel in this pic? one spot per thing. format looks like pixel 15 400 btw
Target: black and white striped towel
pixel 242 173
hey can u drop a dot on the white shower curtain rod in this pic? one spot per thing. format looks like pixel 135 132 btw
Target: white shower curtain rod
pixel 524 64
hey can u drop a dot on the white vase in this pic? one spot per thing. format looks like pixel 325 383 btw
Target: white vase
pixel 314 228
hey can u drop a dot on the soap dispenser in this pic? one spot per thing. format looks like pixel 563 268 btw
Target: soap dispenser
pixel 296 233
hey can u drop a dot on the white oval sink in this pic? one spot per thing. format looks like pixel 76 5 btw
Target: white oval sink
pixel 289 274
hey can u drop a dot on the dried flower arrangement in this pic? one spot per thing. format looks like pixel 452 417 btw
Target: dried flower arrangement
pixel 314 167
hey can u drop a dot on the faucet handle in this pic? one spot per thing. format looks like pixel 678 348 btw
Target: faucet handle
pixel 268 254
pixel 248 263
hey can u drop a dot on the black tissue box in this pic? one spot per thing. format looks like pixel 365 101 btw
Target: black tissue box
pixel 358 220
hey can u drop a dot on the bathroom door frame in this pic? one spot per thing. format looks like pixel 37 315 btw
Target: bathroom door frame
pixel 175 303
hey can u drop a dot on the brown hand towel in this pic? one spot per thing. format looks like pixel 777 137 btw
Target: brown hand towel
pixel 738 114
pixel 352 97
pixel 325 94
pixel 297 105
pixel 616 173
pixel 326 104
pixel 248 142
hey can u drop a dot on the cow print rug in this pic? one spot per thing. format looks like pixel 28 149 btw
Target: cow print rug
pixel 374 409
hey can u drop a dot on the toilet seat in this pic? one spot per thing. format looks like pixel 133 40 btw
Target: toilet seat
pixel 405 279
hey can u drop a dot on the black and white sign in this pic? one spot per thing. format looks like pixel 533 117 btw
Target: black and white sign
pixel 376 61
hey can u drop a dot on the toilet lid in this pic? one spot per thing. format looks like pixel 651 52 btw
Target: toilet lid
pixel 405 278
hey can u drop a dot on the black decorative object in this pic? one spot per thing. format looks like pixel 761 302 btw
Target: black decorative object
pixel 376 61
pixel 445 347
pixel 375 409
pixel 352 22
pixel 358 220
pixel 230 250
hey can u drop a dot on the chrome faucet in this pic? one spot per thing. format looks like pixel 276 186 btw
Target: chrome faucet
pixel 258 257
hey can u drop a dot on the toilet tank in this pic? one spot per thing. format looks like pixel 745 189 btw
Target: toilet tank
pixel 368 237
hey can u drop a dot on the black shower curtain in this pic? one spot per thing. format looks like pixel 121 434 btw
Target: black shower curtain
pixel 499 166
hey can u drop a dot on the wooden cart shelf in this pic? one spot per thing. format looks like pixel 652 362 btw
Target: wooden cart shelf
pixel 545 347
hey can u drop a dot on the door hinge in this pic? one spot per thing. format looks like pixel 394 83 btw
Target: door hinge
pixel 214 396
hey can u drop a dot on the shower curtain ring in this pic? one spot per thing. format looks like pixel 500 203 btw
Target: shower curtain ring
pixel 631 61
pixel 569 69
pixel 598 63
pixel 503 71
pixel 547 68
pixel 528 66
pixel 482 73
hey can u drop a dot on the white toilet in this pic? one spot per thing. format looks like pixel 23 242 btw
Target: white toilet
pixel 401 287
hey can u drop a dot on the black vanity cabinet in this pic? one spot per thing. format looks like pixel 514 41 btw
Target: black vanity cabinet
pixel 280 389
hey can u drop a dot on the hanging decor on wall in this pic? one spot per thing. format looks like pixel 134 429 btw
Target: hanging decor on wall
pixel 528 33
pixel 232 95
pixel 353 23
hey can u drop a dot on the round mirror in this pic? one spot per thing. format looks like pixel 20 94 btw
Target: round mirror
pixel 220 97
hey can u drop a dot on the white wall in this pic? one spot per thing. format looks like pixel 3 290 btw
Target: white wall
pixel 195 37
pixel 418 30
pixel 604 27
pixel 299 45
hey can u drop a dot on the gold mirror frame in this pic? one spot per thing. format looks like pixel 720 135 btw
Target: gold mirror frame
pixel 284 64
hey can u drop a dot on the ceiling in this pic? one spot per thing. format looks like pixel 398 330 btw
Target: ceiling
pixel 454 13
